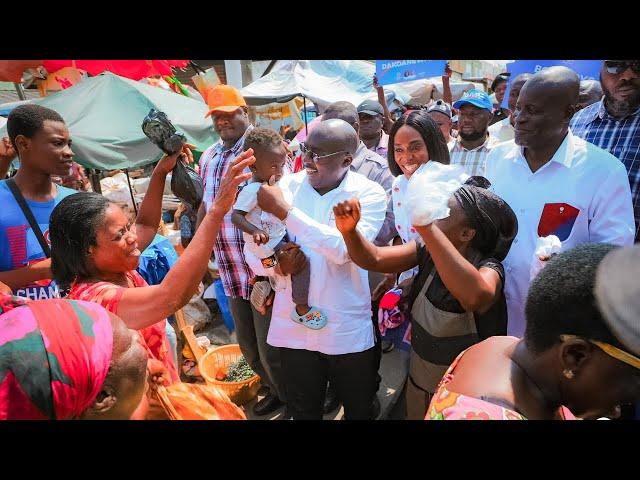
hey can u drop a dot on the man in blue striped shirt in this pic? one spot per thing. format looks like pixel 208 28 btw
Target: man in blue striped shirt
pixel 613 123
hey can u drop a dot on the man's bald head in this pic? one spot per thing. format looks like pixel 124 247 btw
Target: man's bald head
pixel 590 92
pixel 545 106
pixel 344 111
pixel 560 83
pixel 335 135
pixel 332 143
pixel 523 77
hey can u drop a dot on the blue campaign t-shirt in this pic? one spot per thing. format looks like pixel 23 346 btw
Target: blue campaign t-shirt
pixel 19 246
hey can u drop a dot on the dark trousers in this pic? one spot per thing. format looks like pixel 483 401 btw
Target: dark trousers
pixel 378 342
pixel 251 330
pixel 299 281
pixel 352 375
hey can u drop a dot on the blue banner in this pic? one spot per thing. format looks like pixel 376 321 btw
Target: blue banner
pixel 397 71
pixel 586 69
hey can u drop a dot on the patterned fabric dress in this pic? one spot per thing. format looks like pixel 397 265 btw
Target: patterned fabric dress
pixel 191 401
pixel 447 405
pixel 109 295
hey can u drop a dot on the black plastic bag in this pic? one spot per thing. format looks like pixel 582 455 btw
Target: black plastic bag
pixel 157 127
pixel 186 184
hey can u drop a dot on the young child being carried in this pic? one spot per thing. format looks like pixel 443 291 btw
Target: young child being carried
pixel 263 233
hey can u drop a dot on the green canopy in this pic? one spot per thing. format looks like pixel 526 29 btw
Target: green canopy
pixel 104 115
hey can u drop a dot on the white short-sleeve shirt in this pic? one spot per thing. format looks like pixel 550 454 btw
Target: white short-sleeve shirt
pixel 247 201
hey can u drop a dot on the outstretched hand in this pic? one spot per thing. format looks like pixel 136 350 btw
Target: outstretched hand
pixel 234 177
pixel 376 85
pixel 347 215
pixel 447 71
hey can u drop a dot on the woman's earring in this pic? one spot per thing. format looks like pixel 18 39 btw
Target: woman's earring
pixel 568 373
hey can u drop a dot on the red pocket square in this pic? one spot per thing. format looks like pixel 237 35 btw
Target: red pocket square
pixel 557 219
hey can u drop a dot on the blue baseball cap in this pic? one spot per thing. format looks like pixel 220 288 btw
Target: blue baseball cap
pixel 477 98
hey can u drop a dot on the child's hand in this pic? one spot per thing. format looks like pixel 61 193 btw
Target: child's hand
pixel 260 237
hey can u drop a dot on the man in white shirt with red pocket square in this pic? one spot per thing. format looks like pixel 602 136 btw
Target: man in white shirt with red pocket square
pixel 556 183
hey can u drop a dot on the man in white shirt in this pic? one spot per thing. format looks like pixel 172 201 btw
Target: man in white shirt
pixel 343 350
pixel 503 130
pixel 375 168
pixel 556 183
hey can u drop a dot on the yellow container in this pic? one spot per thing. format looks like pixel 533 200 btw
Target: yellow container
pixel 220 358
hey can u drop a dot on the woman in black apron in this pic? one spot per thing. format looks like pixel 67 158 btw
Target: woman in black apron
pixel 457 299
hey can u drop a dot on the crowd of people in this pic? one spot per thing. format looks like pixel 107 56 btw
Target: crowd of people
pixel 311 247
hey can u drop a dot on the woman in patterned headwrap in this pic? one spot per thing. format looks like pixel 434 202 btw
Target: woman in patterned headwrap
pixel 62 359
pixel 457 298
pixel 71 359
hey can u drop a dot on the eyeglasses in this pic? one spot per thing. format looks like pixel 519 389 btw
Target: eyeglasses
pixel 616 67
pixel 610 350
pixel 314 156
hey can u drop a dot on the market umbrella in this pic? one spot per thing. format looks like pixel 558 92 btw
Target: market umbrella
pixel 104 115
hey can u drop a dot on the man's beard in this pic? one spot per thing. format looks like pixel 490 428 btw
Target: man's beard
pixel 471 137
pixel 621 108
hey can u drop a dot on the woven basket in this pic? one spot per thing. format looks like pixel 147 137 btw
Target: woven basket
pixel 221 357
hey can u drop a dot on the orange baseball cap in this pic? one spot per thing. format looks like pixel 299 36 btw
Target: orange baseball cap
pixel 224 98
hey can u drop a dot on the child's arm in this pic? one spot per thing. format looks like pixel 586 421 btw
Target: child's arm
pixel 259 235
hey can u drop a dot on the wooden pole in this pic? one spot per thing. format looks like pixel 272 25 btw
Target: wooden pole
pixel 135 208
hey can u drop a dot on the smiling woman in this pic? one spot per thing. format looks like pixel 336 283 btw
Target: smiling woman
pixel 95 251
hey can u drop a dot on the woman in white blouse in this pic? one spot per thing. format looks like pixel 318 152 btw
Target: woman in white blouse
pixel 414 140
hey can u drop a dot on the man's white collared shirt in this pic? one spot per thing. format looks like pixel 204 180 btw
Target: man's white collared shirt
pixel 338 287
pixel 581 195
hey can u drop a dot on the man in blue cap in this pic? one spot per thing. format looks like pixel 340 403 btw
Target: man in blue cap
pixel 472 145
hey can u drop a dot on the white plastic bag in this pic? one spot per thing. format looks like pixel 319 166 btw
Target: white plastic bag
pixel 430 189
pixel 116 189
pixel 546 247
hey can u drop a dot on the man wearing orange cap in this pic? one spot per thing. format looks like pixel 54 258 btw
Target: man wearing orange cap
pixel 228 111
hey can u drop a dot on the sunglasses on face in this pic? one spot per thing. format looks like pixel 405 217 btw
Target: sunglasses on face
pixel 610 350
pixel 314 156
pixel 616 67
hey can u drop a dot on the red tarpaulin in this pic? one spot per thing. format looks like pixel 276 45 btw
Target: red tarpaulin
pixel 12 70
pixel 133 69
